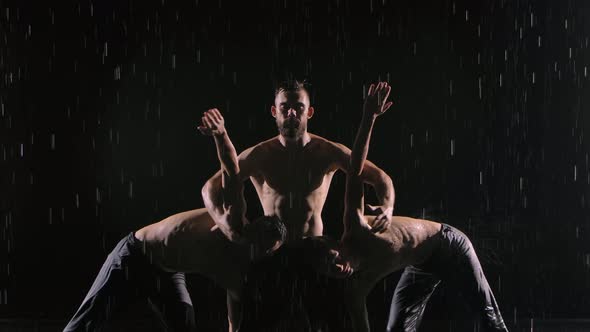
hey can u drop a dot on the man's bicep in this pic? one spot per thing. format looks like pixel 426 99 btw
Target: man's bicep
pixel 371 173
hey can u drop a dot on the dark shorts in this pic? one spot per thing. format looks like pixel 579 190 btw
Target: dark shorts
pixel 127 277
pixel 455 264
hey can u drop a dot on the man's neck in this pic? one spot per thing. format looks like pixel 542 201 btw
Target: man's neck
pixel 298 142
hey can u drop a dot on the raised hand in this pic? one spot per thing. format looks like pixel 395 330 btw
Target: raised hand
pixel 376 101
pixel 212 123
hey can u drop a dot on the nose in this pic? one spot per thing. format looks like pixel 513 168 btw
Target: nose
pixel 291 112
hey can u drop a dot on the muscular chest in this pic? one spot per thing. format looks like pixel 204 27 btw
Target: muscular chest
pixel 300 173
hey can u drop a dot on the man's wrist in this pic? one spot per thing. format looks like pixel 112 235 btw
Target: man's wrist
pixel 369 115
pixel 220 135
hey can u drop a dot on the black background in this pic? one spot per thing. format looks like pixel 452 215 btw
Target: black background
pixel 99 104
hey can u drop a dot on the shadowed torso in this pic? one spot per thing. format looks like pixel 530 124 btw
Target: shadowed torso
pixel 186 242
pixel 292 183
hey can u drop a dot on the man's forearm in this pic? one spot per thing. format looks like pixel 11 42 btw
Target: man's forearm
pixel 227 155
pixel 360 149
pixel 380 181
pixel 233 198
pixel 223 193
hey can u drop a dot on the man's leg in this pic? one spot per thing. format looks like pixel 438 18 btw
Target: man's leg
pixel 234 309
pixel 409 300
pixel 171 302
pixel 107 292
pixel 463 271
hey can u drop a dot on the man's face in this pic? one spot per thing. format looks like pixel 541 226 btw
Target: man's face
pixel 291 111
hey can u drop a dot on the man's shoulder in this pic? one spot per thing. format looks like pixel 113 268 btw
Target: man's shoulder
pixel 259 148
pixel 325 143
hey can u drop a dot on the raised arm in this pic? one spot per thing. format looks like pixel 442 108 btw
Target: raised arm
pixel 375 105
pixel 229 208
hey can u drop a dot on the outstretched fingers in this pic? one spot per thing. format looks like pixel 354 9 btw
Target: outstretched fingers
pixel 387 91
pixel 387 106
pixel 371 90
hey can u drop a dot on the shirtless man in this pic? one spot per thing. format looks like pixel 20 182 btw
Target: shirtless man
pixel 292 172
pixel 429 252
pixel 150 263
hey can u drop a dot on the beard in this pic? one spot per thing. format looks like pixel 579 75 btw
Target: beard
pixel 291 129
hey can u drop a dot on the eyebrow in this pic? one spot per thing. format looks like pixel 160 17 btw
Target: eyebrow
pixel 296 103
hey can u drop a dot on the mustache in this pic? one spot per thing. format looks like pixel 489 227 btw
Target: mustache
pixel 290 122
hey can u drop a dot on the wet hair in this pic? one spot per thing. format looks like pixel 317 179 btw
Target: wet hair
pixel 293 86
pixel 266 230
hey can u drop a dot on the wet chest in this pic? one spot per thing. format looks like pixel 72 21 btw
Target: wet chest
pixel 302 173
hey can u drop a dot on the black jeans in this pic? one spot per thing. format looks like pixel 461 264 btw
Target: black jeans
pixel 127 277
pixel 456 264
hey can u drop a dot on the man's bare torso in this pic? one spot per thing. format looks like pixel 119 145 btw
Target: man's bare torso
pixel 407 241
pixel 184 242
pixel 292 183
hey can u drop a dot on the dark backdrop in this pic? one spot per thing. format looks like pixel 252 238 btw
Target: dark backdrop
pixel 99 103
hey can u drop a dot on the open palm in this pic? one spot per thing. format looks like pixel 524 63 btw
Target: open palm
pixel 376 101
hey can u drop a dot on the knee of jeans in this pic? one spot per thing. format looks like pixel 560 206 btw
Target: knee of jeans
pixel 392 328
pixel 189 321
pixel 389 327
pixel 463 242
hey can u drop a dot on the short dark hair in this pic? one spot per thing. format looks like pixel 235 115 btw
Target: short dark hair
pixel 268 229
pixel 292 86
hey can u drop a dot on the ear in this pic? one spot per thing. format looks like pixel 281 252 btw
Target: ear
pixel 273 111
pixel 310 111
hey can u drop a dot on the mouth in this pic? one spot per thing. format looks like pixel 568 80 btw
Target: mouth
pixel 291 124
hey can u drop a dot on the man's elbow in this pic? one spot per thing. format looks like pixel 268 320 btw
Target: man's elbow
pixel 208 191
pixel 376 176
pixel 205 191
pixel 387 180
